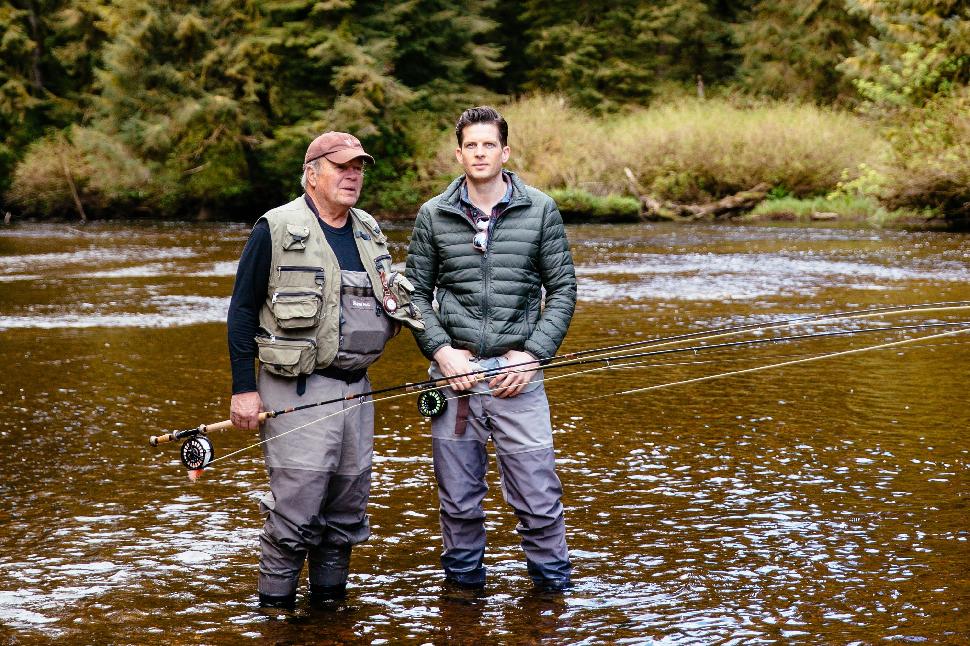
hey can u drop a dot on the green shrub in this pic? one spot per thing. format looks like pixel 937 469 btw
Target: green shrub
pixel 576 204
pixel 846 207
pixel 931 163
pixel 105 175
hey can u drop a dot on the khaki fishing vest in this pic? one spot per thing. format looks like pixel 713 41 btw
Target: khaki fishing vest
pixel 301 315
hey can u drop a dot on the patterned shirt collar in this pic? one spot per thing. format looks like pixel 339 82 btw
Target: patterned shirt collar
pixel 497 209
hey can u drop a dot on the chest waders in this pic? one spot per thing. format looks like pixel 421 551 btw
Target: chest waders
pixel 321 329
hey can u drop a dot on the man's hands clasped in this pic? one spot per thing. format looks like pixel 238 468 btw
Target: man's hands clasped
pixel 454 363
pixel 514 380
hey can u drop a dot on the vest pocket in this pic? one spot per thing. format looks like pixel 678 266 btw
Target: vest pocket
pixel 287 357
pixel 296 308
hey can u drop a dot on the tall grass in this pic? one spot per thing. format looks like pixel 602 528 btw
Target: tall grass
pixel 685 151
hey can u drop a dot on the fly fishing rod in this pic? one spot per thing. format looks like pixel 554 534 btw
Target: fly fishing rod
pixel 427 404
pixel 197 451
pixel 790 361
pixel 771 325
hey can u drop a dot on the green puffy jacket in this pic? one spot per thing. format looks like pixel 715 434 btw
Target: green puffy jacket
pixel 491 303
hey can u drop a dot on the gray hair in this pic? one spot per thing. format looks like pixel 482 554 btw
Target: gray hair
pixel 316 166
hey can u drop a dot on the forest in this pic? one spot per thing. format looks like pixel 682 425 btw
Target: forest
pixel 196 110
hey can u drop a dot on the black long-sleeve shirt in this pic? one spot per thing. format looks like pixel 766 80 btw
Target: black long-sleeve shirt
pixel 252 283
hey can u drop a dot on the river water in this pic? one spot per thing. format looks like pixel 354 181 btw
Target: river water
pixel 818 502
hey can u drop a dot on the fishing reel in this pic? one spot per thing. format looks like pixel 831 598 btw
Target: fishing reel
pixel 197 452
pixel 432 403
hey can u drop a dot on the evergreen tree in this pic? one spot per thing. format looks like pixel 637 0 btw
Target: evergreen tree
pixel 46 57
pixel 606 53
pixel 390 72
pixel 921 49
pixel 180 87
pixel 793 48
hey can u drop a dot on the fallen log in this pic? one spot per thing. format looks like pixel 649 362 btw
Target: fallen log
pixel 730 206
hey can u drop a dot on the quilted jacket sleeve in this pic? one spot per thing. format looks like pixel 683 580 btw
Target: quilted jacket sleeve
pixel 422 271
pixel 559 280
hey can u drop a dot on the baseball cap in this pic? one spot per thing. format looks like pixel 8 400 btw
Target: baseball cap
pixel 338 147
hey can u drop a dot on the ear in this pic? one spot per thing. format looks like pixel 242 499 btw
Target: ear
pixel 506 152
pixel 458 154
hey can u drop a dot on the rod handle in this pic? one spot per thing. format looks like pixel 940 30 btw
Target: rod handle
pixel 424 385
pixel 221 426
pixel 155 440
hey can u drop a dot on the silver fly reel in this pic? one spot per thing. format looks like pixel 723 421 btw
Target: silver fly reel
pixel 197 452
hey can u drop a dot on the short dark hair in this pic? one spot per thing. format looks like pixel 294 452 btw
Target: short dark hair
pixel 482 114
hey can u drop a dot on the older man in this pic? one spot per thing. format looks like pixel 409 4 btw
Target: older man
pixel 311 302
pixel 483 251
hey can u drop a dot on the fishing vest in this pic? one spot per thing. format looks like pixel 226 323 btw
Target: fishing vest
pixel 300 318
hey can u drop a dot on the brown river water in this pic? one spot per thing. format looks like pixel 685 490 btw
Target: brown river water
pixel 820 502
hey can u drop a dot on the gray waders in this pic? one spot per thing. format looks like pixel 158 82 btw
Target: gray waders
pixel 320 475
pixel 521 430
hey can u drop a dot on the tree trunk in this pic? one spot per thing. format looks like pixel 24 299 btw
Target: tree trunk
pixel 653 209
pixel 70 183
pixel 38 52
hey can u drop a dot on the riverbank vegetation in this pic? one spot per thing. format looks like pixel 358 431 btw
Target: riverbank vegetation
pixel 129 108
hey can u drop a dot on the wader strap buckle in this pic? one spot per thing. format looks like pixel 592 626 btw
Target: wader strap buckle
pixel 461 419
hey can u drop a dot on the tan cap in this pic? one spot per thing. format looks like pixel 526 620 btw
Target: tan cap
pixel 338 147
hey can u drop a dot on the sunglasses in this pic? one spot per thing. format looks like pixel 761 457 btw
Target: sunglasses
pixel 480 241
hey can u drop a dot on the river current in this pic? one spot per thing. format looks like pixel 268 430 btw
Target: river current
pixel 816 502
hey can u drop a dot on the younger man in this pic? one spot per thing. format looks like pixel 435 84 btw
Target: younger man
pixel 484 250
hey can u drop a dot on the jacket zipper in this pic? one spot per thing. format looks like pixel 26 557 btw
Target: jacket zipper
pixel 485 265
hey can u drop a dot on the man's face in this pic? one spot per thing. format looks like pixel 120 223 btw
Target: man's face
pixel 336 187
pixel 481 153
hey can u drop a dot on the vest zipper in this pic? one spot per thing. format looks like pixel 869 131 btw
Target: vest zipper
pixel 320 275
pixel 304 293
pixel 273 338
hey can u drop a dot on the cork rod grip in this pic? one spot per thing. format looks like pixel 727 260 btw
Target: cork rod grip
pixel 155 440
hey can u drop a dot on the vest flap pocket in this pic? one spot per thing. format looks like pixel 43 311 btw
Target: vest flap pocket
pixel 296 308
pixel 296 237
pixel 401 289
pixel 287 357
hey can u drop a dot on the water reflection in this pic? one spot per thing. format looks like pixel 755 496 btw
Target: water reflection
pixel 824 502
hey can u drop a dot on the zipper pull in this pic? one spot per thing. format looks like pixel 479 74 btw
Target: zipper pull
pixel 275 294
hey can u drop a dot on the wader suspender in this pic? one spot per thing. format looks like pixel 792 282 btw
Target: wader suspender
pixel 461 421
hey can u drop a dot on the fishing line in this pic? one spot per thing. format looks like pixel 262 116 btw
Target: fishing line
pixel 774 325
pixel 562 364
pixel 737 344
pixel 656 386
pixel 588 360
pixel 816 357
pixel 430 386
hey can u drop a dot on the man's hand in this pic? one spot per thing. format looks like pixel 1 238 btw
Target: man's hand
pixel 244 410
pixel 455 362
pixel 511 382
